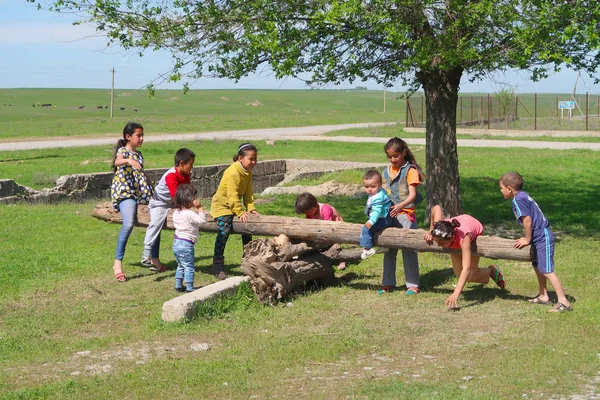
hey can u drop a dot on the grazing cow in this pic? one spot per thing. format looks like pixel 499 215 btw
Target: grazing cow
pixel 135 109
pixel 33 105
pixel 46 105
pixel 81 107
pixel 99 107
pixel 122 108
pixel 106 107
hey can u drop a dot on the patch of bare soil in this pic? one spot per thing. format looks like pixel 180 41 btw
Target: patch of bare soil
pixel 89 363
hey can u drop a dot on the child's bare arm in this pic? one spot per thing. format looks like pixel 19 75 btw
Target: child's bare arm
pixel 452 300
pixel 525 241
pixel 436 215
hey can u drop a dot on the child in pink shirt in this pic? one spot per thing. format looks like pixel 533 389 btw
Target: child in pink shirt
pixel 307 204
pixel 458 233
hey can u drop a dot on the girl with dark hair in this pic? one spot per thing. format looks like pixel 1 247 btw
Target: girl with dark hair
pixel 401 180
pixel 458 233
pixel 234 197
pixel 129 187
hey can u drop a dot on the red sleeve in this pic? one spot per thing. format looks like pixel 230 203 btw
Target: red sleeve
pixel 172 181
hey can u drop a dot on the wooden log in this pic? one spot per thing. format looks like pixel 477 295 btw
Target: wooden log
pixel 328 232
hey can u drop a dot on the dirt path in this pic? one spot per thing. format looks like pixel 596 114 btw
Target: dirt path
pixel 294 133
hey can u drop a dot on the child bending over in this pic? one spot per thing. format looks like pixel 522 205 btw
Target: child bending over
pixel 307 204
pixel 458 233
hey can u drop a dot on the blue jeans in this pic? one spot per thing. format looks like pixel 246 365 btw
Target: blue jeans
pixel 128 208
pixel 366 234
pixel 184 254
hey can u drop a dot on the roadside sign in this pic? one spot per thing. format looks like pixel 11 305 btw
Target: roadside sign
pixel 566 105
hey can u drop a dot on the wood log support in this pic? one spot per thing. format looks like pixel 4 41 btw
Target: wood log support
pixel 325 233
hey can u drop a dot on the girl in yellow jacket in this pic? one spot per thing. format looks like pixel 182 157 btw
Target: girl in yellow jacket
pixel 233 194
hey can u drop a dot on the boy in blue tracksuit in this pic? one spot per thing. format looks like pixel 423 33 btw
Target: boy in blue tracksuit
pixel 378 208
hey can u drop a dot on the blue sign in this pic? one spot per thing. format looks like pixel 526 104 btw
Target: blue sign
pixel 566 105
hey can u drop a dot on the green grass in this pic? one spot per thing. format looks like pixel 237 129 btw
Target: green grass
pixel 343 341
pixel 170 111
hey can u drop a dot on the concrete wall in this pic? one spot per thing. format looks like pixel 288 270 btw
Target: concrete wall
pixel 89 186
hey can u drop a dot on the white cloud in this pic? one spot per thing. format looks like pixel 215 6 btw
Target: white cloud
pixel 49 33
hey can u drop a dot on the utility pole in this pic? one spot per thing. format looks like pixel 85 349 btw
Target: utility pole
pixel 112 92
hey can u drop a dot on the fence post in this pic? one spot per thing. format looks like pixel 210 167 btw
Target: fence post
pixel 471 109
pixel 406 123
pixel 516 107
pixel 535 111
pixel 481 110
pixel 460 102
pixel 422 111
pixel 587 109
pixel 489 112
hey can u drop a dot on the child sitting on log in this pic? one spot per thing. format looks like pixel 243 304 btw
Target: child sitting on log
pixel 307 204
pixel 458 233
pixel 378 210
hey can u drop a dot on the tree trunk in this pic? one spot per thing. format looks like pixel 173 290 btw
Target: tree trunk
pixel 441 98
pixel 325 233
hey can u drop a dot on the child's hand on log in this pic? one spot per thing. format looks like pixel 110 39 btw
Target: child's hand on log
pixel 368 225
pixel 428 238
pixel 245 216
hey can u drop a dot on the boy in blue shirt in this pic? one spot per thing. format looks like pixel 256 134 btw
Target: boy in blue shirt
pixel 378 209
pixel 539 236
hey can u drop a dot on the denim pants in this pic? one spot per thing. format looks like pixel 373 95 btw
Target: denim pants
pixel 366 234
pixel 410 259
pixel 184 254
pixel 128 208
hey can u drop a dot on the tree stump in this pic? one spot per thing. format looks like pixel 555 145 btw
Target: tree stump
pixel 276 266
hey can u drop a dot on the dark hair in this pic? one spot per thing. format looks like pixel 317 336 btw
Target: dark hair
pixel 185 196
pixel 243 149
pixel 304 202
pixel 370 174
pixel 399 146
pixel 129 129
pixel 185 155
pixel 512 179
pixel 444 229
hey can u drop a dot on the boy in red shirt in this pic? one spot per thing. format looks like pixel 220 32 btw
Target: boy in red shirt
pixel 160 205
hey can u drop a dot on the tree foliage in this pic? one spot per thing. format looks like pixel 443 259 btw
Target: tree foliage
pixel 428 43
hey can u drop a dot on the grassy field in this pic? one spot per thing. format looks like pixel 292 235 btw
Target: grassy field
pixel 170 111
pixel 68 330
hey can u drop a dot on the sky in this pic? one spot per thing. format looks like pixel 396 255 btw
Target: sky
pixel 41 49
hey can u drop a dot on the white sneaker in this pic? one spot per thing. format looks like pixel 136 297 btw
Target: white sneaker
pixel 146 262
pixel 367 253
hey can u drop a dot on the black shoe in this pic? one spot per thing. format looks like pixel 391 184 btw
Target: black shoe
pixel 179 290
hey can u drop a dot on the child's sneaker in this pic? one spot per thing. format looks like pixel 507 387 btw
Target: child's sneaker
pixel 179 290
pixel 146 261
pixel 497 276
pixel 367 253
pixel 385 289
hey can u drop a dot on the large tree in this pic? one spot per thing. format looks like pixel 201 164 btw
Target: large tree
pixel 425 43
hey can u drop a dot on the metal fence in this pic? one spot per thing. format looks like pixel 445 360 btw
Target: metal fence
pixel 519 112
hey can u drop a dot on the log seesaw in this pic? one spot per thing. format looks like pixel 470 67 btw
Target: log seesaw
pixel 304 250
